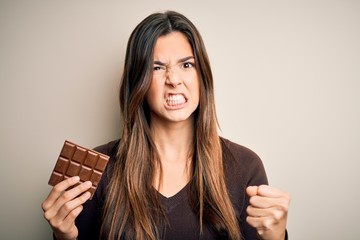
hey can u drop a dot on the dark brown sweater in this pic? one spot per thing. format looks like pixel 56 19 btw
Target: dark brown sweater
pixel 242 168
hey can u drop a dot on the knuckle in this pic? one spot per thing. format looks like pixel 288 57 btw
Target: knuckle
pixel 253 200
pixel 73 214
pixel 46 216
pixel 44 206
pixel 66 196
pixel 54 223
pixel 250 221
pixel 67 207
pixel 62 228
pixel 57 189
pixel 284 206
pixel 82 188
pixel 277 216
pixel 267 224
pixel 84 197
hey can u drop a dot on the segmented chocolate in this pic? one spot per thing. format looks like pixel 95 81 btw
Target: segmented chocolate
pixel 75 160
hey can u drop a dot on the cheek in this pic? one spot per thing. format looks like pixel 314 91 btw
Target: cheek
pixel 192 81
pixel 196 88
pixel 154 92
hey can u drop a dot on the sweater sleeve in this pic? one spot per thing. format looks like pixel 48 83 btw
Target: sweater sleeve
pixel 243 168
pixel 256 176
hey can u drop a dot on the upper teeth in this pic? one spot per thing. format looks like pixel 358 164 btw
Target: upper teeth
pixel 175 99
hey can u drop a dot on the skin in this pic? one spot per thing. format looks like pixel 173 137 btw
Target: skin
pixel 268 211
pixel 62 207
pixel 172 125
pixel 172 128
pixel 174 73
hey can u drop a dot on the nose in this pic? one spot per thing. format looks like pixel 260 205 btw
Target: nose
pixel 173 78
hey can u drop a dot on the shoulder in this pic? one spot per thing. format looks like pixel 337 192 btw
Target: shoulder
pixel 243 162
pixel 234 153
pixel 109 148
pixel 88 221
pixel 238 151
pixel 242 168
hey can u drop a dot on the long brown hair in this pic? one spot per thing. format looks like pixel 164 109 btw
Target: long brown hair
pixel 132 207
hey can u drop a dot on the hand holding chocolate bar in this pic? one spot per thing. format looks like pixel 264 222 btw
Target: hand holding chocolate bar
pixel 62 207
pixel 75 178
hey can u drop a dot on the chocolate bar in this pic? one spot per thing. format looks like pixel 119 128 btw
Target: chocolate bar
pixel 75 160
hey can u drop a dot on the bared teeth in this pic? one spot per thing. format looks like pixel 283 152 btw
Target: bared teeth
pixel 177 99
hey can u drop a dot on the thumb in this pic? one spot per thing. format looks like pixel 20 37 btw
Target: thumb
pixel 252 190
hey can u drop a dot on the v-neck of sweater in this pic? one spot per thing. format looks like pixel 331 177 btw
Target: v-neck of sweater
pixel 169 203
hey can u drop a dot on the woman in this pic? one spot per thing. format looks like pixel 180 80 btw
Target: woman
pixel 170 175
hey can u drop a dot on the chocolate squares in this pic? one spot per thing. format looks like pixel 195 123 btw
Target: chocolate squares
pixel 75 160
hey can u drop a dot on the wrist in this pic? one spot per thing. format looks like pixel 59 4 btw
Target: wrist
pixel 56 237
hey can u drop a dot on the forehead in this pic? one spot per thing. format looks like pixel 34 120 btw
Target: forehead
pixel 172 45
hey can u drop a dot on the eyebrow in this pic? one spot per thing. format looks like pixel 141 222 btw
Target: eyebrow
pixel 181 60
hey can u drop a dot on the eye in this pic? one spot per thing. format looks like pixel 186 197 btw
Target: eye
pixel 188 65
pixel 158 68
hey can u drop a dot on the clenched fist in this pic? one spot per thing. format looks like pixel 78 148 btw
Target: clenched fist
pixel 267 211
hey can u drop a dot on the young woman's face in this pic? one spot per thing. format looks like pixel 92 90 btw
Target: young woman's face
pixel 174 91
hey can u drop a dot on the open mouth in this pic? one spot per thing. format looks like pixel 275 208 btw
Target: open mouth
pixel 175 99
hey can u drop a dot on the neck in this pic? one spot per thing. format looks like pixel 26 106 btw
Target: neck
pixel 174 143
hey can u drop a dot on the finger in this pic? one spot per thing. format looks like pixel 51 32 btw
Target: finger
pixel 57 190
pixel 71 194
pixel 67 225
pixel 264 202
pixel 261 224
pixel 282 203
pixel 255 222
pixel 268 191
pixel 252 190
pixel 257 212
pixel 70 218
pixel 269 227
pixel 66 197
pixel 274 213
pixel 68 207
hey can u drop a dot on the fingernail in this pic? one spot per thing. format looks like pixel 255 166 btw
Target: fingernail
pixel 88 184
pixel 76 179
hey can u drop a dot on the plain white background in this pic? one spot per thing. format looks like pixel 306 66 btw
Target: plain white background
pixel 287 78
